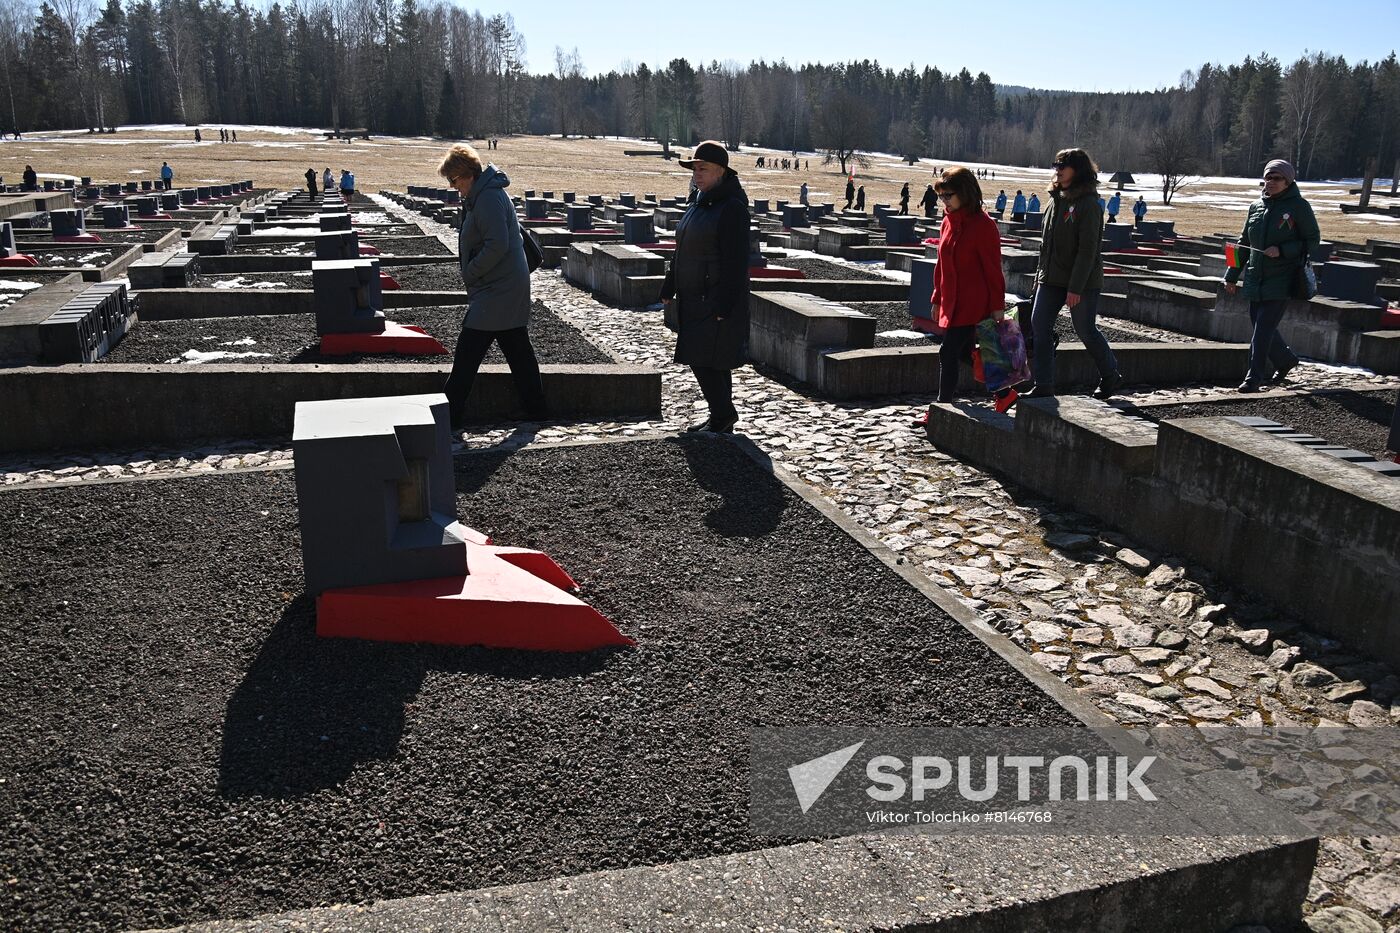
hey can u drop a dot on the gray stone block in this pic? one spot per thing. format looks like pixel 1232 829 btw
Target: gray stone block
pixel 87 326
pixel 337 245
pixel 7 240
pixel 67 222
pixel 899 230
pixel 376 498
pixel 334 221
pixel 921 288
pixel 115 216
pixel 578 216
pixel 1117 237
pixel 347 297
pixel 637 229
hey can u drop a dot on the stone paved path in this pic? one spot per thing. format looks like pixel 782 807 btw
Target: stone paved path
pixel 1149 640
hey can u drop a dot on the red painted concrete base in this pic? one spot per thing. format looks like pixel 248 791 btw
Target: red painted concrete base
pixel 1390 320
pixel 512 598
pixel 396 338
pixel 388 283
pixel 776 272
pixel 1135 251
pixel 118 229
pixel 79 238
pixel 156 217
pixel 925 325
pixel 369 250
pixel 19 260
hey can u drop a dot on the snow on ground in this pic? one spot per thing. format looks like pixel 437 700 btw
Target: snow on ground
pixel 196 357
pixel 8 285
pixel 240 282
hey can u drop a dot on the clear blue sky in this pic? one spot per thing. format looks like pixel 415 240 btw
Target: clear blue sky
pixel 1131 45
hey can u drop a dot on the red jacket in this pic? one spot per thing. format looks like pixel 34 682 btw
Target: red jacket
pixel 967 282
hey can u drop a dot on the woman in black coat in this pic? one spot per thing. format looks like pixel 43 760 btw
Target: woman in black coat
pixel 709 280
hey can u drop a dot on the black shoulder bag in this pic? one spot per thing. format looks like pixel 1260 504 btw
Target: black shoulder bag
pixel 534 255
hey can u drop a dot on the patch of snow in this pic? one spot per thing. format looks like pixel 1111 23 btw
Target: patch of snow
pixel 19 286
pixel 903 334
pixel 240 282
pixel 196 357
pixel 240 342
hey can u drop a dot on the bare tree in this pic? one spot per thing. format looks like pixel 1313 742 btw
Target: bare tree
pixel 1304 85
pixel 1170 154
pixel 731 88
pixel 568 72
pixel 843 129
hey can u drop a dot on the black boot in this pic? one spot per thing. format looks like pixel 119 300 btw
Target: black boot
pixel 1108 385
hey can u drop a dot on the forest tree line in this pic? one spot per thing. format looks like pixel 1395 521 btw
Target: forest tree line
pixel 398 67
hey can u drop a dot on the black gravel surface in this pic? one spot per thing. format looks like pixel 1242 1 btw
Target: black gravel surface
pixel 291 338
pixel 399 246
pixel 100 256
pixel 1359 420
pixel 427 277
pixel 180 746
pixel 821 269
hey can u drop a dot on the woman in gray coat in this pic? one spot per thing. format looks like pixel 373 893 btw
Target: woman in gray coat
pixel 709 277
pixel 497 279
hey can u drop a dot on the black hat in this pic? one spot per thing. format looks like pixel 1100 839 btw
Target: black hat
pixel 708 151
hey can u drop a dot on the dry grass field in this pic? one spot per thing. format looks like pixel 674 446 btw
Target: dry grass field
pixel 273 156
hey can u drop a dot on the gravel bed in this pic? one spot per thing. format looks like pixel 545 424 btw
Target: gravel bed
pixel 426 277
pixel 291 338
pixel 93 258
pixel 183 747
pixel 1359 420
pixel 401 246
pixel 821 269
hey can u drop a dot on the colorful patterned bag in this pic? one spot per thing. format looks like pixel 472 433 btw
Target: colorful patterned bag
pixel 1002 347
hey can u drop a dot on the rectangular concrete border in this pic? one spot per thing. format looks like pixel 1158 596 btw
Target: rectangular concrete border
pixel 884 882
pixel 83 407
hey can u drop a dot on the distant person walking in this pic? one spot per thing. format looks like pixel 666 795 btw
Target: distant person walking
pixel 904 199
pixel 1001 201
pixel 1018 208
pixel 802 195
pixel 1115 203
pixel 850 192
pixel 311 184
pixel 968 285
pixel 31 178
pixel 860 198
pixel 1033 205
pixel 197 137
pixel 1139 210
pixel 167 175
pixel 491 254
pixel 1279 235
pixel 929 202
pixel 1071 274
pixel 709 283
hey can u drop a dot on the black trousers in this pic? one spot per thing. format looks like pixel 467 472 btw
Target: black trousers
pixel 311 191
pixel 472 345
pixel 957 346
pixel 717 385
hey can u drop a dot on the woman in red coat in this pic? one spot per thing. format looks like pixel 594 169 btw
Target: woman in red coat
pixel 968 286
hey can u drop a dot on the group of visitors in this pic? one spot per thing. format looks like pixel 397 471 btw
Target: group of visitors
pixel 794 164
pixel 328 183
pixel 1019 207
pixel 707 285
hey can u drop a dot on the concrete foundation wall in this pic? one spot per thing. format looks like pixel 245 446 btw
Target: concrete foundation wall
pixel 1304 528
pixel 84 407
pixel 167 304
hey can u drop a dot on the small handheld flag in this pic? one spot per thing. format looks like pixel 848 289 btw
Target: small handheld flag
pixel 1235 255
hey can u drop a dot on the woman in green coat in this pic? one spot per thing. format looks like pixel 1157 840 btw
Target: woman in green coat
pixel 1279 235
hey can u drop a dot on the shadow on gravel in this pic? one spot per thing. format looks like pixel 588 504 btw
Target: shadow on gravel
pixel 311 710
pixel 748 511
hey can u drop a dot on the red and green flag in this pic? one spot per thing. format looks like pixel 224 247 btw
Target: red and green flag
pixel 1235 255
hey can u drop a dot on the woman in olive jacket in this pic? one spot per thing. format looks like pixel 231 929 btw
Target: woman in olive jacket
pixel 1280 234
pixel 709 279
pixel 1071 273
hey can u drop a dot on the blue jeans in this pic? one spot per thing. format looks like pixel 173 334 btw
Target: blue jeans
pixel 1268 350
pixel 1049 299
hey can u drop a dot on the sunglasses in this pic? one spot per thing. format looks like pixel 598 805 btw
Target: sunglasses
pixel 947 195
pixel 1059 165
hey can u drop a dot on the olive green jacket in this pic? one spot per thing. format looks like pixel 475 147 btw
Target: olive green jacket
pixel 1286 220
pixel 1071 244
